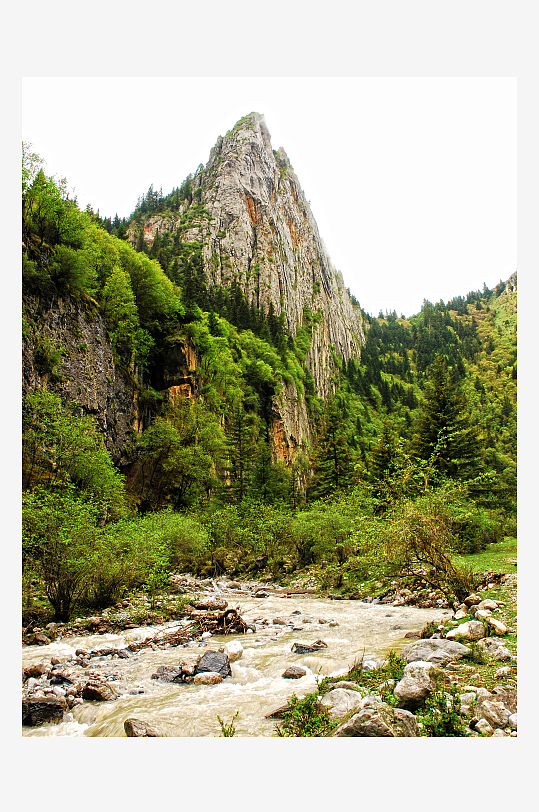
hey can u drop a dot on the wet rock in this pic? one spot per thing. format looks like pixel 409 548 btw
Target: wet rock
pixel 136 728
pixel 304 648
pixel 340 701
pixel 261 594
pixel 37 669
pixel 418 681
pixel 472 630
pixel 168 673
pixel 82 652
pixel 233 650
pixel 214 661
pixel 99 692
pixel 36 712
pixel 379 721
pixel 413 635
pixel 294 672
pixel 279 621
pixel 438 651
pixel 41 639
pixel 334 623
pixel 208 678
pixel 60 678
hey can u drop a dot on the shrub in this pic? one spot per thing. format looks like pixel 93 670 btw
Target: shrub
pixel 441 714
pixel 305 717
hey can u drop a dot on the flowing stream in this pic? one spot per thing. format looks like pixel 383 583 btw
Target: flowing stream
pixel 256 686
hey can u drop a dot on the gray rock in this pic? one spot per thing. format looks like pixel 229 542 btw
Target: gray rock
pixel 493 711
pixel 418 681
pixel 438 651
pixel 379 721
pixel 168 673
pixel 341 701
pixel 136 728
pixel 512 721
pixel 352 686
pixel 214 661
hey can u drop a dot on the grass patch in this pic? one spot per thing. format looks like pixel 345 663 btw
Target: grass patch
pixel 496 557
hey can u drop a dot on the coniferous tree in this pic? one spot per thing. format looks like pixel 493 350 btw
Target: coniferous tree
pixel 444 426
pixel 332 463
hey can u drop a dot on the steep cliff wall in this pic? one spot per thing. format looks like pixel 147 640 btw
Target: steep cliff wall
pixel 73 334
pixel 255 224
pixel 258 227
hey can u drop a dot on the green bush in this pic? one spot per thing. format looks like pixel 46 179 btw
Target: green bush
pixel 305 717
pixel 441 714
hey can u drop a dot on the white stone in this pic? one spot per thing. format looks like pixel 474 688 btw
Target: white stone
pixel 483 726
pixel 512 721
pixel 482 614
pixel 205 635
pixel 233 650
pixel 499 628
pixel 498 734
pixel 472 630
pixel 459 615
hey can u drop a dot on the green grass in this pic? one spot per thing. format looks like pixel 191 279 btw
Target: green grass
pixel 496 558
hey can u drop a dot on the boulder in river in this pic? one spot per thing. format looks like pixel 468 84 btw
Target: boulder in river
pixel 233 650
pixel 99 692
pixel 214 661
pixel 207 678
pixel 294 672
pixel 36 712
pixel 168 673
pixel 136 728
pixel 308 648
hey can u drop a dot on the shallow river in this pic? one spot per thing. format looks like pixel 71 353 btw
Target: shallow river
pixel 256 686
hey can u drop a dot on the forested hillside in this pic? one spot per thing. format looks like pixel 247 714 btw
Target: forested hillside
pixel 234 455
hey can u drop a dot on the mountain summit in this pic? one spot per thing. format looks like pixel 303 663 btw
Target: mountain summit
pixel 256 226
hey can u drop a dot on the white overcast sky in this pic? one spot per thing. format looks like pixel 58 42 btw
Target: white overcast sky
pixel 412 181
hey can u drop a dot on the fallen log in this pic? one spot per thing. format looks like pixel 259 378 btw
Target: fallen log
pixel 228 621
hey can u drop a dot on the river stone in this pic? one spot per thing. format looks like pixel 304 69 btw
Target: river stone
pixel 207 678
pixel 438 651
pixel 37 669
pixel 352 686
pixel 294 672
pixel 304 648
pixel 36 712
pixel 233 650
pixel 168 673
pixel 472 630
pixel 512 721
pixel 279 621
pixel 379 721
pixel 418 681
pixel 214 661
pixel 99 692
pixel 341 701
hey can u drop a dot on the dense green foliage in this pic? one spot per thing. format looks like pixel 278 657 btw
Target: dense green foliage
pixel 413 457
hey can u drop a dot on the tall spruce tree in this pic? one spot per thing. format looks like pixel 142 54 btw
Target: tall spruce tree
pixel 444 426
pixel 332 462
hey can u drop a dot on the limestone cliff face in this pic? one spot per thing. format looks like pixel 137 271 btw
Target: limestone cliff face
pixel 86 372
pixel 255 224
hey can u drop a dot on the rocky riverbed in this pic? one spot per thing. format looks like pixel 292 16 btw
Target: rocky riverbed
pixel 108 676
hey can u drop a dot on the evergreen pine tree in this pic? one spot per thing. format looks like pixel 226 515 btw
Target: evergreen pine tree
pixel 444 425
pixel 332 462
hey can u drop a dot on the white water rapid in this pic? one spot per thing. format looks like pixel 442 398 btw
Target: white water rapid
pixel 256 686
